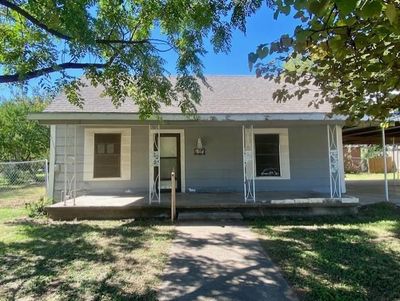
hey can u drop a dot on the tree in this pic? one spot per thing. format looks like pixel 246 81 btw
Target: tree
pixel 115 43
pixel 22 139
pixel 349 49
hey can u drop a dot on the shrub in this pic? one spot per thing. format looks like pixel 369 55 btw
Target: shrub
pixel 37 209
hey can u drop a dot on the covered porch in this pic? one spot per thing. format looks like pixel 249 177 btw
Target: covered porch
pixel 248 159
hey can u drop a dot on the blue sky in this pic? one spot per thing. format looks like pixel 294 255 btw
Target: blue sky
pixel 261 28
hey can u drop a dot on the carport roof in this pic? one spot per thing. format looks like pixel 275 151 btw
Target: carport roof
pixel 371 134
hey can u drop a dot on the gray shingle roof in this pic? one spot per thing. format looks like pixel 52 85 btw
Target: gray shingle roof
pixel 229 95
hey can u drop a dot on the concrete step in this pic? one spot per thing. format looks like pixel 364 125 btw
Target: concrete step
pixel 209 215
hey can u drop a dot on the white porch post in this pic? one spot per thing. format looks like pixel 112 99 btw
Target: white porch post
pixel 398 161
pixel 52 161
pixel 335 160
pixel 65 163
pixel 248 164
pixel 154 158
pixel 385 164
pixel 74 177
pixel 393 160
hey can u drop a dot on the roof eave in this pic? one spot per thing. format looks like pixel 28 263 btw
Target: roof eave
pixel 50 117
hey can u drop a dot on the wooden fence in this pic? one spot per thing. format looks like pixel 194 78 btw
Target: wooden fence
pixel 376 165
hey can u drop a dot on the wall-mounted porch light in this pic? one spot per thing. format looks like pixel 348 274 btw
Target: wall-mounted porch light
pixel 199 149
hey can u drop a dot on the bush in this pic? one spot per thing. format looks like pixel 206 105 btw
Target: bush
pixel 37 209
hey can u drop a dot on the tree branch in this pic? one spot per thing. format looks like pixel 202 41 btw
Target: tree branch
pixel 39 72
pixel 35 21
pixel 66 37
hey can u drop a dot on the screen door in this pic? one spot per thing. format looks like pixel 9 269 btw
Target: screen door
pixel 170 160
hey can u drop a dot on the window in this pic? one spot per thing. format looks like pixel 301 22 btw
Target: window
pixel 271 153
pixel 107 156
pixel 267 155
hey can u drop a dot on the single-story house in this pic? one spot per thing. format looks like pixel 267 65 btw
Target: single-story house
pixel 243 143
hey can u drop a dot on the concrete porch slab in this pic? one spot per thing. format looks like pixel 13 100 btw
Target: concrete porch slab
pixel 133 206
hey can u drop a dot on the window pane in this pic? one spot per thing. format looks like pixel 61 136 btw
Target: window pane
pixel 107 156
pixel 110 148
pixel 100 148
pixel 267 155
pixel 167 165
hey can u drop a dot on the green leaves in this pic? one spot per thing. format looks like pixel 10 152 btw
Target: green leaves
pixel 252 58
pixel 318 7
pixel 346 6
pixel 393 14
pixel 347 49
pixel 118 44
pixel 371 9
pixel 22 139
pixel 262 51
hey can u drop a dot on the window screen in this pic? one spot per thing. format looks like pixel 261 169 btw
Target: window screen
pixel 267 155
pixel 107 156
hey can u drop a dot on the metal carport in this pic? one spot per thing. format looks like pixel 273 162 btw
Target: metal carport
pixel 368 133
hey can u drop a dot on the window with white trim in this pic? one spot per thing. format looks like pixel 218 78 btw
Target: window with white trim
pixel 271 154
pixel 107 154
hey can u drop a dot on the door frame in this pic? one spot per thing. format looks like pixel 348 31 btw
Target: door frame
pixel 181 133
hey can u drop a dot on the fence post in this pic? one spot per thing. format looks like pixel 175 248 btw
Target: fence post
pixel 173 197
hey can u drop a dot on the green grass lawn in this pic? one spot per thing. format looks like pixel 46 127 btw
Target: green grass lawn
pixel 90 260
pixel 342 258
pixel 18 196
pixel 367 176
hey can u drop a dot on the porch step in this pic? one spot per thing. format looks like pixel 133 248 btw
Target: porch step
pixel 209 215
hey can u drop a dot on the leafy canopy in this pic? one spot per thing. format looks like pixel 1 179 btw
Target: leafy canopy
pixel 349 49
pixel 22 139
pixel 117 43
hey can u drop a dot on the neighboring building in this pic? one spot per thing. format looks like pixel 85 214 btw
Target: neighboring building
pixel 243 142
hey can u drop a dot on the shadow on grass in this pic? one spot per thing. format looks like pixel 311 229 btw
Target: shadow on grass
pixel 342 258
pixel 74 260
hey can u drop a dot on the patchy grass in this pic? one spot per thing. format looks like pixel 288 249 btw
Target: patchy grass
pixel 11 213
pixel 367 176
pixel 90 260
pixel 18 196
pixel 342 258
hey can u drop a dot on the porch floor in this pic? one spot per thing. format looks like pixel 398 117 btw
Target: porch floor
pixel 197 200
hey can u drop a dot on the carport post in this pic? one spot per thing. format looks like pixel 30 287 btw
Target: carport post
pixel 393 161
pixel 385 164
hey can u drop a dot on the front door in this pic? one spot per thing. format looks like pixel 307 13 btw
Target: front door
pixel 170 160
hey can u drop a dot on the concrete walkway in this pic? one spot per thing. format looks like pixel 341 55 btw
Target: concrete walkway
pixel 220 262
pixel 373 191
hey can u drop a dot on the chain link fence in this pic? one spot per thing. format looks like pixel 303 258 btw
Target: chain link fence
pixel 22 182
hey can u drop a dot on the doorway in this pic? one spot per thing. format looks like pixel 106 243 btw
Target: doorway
pixel 170 160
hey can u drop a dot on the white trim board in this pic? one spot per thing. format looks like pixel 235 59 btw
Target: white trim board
pixel 284 158
pixel 88 159
pixel 181 132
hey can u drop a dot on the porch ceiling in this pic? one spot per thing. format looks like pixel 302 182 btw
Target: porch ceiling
pixel 371 134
